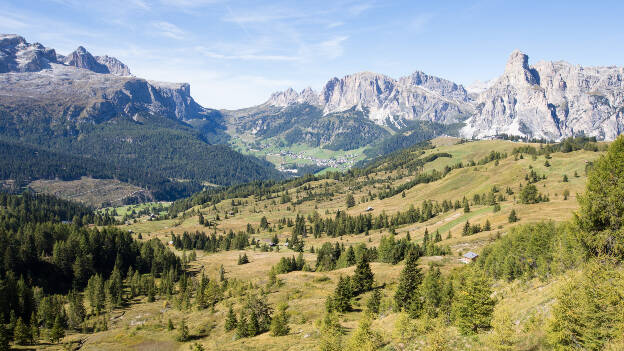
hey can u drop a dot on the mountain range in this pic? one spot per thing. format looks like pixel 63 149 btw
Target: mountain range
pixel 92 106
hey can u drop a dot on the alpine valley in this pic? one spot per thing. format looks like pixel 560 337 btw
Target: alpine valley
pixel 80 116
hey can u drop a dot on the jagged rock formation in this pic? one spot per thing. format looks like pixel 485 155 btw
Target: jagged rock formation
pixel 81 87
pixel 16 55
pixel 387 101
pixel 550 100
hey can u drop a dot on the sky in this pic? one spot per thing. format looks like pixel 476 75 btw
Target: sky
pixel 236 53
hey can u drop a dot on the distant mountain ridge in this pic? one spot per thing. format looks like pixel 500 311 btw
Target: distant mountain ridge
pixel 91 106
pixel 388 101
pixel 550 100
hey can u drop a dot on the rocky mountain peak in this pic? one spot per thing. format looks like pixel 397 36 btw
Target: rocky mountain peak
pixel 81 58
pixel 517 70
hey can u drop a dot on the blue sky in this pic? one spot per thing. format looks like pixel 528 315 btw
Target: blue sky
pixel 235 53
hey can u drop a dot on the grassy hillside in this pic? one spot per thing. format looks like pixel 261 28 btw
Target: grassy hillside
pixel 390 186
pixel 306 292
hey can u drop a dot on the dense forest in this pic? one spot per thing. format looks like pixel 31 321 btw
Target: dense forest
pixel 150 151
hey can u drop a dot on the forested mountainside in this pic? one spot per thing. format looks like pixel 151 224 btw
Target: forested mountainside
pixel 81 115
pixel 448 245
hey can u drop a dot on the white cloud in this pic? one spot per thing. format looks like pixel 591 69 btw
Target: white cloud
pixel 332 48
pixel 10 23
pixel 245 56
pixel 358 9
pixel 169 30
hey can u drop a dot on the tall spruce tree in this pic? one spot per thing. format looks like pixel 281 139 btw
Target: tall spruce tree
pixel 363 278
pixel 409 281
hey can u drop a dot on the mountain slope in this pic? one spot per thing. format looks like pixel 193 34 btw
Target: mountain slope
pixel 75 106
pixel 551 100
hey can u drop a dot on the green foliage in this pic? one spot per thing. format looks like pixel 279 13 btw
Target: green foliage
pixel 183 332
pixel 374 302
pixel 530 195
pixel 532 250
pixel 411 277
pixel 473 304
pixel 513 217
pixel 601 215
pixel 350 201
pixel 504 336
pixel 279 323
pixel 363 278
pixel 588 311
pixel 340 301
pixel 230 320
pixel 58 331
pixel 243 259
pixel 22 333
pixel 331 333
pixel 364 338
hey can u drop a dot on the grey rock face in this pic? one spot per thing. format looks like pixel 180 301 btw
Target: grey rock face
pixel 84 88
pixel 550 100
pixel 387 101
pixel 16 55
pixel 113 65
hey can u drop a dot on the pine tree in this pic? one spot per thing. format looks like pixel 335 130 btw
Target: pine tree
pixel 466 207
pixel 350 201
pixel 364 338
pixel 230 320
pixel 331 333
pixel 602 209
pixel 363 277
pixel 57 332
pixel 503 336
pixel 243 259
pixel 183 332
pixel 340 301
pixel 279 322
pixel 409 282
pixel 473 305
pixel 374 302
pixel 513 217
pixel 170 326
pixel 241 327
pixel 565 178
pixel 488 226
pixel 4 338
pixel 22 333
pixel 431 291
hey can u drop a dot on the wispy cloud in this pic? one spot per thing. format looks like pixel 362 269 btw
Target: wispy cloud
pixel 169 30
pixel 332 48
pixel 9 24
pixel 246 56
pixel 358 9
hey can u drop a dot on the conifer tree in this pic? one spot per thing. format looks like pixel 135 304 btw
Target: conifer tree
pixel 57 332
pixel 241 326
pixel 473 305
pixel 431 291
pixel 183 332
pixel 503 336
pixel 350 201
pixel 374 302
pixel 340 301
pixel 513 217
pixel 364 338
pixel 409 282
pixel 21 333
pixel 230 320
pixel 279 322
pixel 4 338
pixel 331 333
pixel 363 277
pixel 601 216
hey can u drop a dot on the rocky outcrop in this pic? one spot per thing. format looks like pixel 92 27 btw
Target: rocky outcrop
pixel 113 65
pixel 16 55
pixel 83 88
pixel 550 100
pixel 385 100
